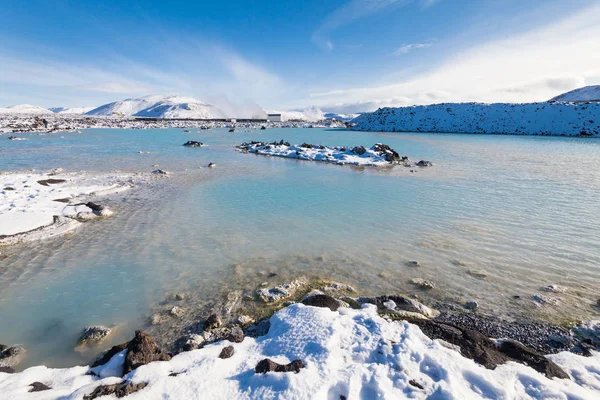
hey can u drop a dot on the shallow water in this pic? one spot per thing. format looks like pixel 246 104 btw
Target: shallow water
pixel 520 209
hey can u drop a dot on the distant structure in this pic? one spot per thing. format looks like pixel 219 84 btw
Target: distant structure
pixel 274 117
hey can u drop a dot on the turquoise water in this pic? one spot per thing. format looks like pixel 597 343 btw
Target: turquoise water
pixel 521 209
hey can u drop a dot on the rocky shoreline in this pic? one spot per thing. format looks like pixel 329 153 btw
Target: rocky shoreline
pixel 488 341
pixel 17 123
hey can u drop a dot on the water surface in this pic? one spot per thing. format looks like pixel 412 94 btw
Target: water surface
pixel 521 210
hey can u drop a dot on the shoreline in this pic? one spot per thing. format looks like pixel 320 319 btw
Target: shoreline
pixel 306 323
pixel 41 205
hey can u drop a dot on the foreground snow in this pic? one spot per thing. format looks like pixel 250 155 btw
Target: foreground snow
pixel 350 353
pixel 519 119
pixel 26 204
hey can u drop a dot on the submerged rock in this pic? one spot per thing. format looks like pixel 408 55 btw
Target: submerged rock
pixel 281 292
pixel 471 305
pixel 11 356
pixel 212 165
pixel 177 312
pixel 93 334
pixel 422 283
pixel 400 303
pixel 424 163
pixel 267 365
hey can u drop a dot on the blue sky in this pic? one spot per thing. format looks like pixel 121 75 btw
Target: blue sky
pixel 352 55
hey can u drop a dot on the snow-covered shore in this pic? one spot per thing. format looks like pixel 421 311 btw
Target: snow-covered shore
pixel 37 205
pixel 377 156
pixel 557 118
pixel 344 354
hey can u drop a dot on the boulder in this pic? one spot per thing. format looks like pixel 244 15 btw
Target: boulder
pixel 424 163
pixel 38 387
pixel 322 300
pixel 212 322
pixel 360 150
pixel 118 389
pixel 193 143
pixel 177 311
pixel 227 352
pixel 267 365
pixel 142 350
pixel 422 283
pixel 236 335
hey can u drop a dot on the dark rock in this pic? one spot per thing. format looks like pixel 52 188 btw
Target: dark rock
pixel 416 384
pixel 175 373
pixel 227 352
pixel 384 150
pixel 48 182
pixel 323 301
pixel 360 150
pixel 65 200
pixel 424 163
pixel 267 365
pixel 535 360
pixel 109 354
pixel 3 347
pixel 272 275
pixel 95 207
pixel 7 370
pixel 141 351
pixel 481 349
pixel 38 387
pixel 8 188
pixel 212 322
pixel 193 143
pixel 236 335
pixel 211 165
pixel 118 389
pixel 11 356
pixel 260 328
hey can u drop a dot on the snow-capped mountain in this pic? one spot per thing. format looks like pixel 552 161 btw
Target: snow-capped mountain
pixel 71 110
pixel 586 93
pixel 127 107
pixel 309 114
pixel 25 109
pixel 160 107
pixel 181 107
pixel 341 117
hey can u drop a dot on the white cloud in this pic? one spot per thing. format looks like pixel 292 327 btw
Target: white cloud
pixel 407 48
pixel 532 66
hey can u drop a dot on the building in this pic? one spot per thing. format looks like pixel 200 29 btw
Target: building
pixel 274 117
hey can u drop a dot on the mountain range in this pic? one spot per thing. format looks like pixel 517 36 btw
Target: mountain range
pixel 173 107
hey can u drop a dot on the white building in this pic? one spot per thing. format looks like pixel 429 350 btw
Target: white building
pixel 274 117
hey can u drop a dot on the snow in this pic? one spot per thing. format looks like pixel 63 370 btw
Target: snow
pixel 587 93
pixel 337 155
pixel 71 110
pixel 32 205
pixel 309 114
pixel 340 117
pixel 25 109
pixel 159 107
pixel 350 353
pixel 569 119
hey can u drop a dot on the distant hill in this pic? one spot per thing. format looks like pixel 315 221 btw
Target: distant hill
pixel 25 109
pixel 549 118
pixel 71 110
pixel 341 117
pixel 159 107
pixel 587 93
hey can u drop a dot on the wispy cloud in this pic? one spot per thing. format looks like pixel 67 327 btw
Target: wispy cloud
pixel 531 66
pixel 350 12
pixel 407 48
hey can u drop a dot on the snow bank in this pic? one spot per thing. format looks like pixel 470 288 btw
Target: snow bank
pixel 350 353
pixel 518 119
pixel 29 201
pixel 377 156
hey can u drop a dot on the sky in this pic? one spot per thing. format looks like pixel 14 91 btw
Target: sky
pixel 340 55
